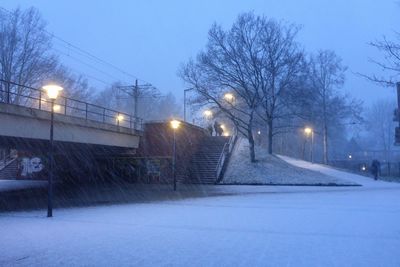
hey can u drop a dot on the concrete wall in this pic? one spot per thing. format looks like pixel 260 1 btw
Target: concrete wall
pixel 157 144
pixel 22 122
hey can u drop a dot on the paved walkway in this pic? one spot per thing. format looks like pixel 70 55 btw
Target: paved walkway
pixel 366 182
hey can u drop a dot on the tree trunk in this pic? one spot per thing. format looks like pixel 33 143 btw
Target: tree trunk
pixel 270 132
pixel 251 146
pixel 325 144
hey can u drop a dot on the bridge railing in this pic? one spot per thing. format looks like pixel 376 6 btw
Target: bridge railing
pixel 17 94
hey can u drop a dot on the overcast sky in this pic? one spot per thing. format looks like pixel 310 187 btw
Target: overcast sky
pixel 150 39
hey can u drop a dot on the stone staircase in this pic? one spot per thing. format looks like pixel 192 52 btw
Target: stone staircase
pixel 9 170
pixel 205 161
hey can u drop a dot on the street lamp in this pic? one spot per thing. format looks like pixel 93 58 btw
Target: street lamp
pixel 207 113
pixel 174 125
pixel 52 93
pixel 309 131
pixel 229 97
pixel 119 118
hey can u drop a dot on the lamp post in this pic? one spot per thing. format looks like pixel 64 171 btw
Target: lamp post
pixel 119 118
pixel 309 131
pixel 175 125
pixel 52 93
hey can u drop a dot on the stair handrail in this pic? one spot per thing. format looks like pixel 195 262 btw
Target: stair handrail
pixel 8 159
pixel 226 150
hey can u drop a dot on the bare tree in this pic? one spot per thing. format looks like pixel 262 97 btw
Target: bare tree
pixel 254 61
pixel 280 70
pixel 330 107
pixel 390 64
pixel 380 125
pixel 25 56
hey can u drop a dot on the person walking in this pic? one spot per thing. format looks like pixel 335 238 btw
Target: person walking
pixel 217 128
pixel 210 129
pixel 375 168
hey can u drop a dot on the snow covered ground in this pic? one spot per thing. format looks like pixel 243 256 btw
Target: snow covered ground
pixel 272 170
pixel 234 226
pixel 255 226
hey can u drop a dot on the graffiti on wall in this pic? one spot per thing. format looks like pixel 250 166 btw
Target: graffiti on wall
pixel 30 166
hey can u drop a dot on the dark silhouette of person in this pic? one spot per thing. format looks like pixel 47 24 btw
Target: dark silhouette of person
pixel 210 129
pixel 375 168
pixel 217 128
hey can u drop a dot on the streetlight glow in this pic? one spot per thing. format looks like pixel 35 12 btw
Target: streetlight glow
pixel 308 130
pixel 120 117
pixel 363 168
pixel 207 113
pixel 175 124
pixel 222 126
pixel 229 97
pixel 52 90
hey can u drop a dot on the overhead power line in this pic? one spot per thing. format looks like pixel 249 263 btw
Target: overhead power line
pixel 88 55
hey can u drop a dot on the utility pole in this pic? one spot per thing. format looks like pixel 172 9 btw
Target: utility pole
pixel 136 91
pixel 135 101
pixel 397 117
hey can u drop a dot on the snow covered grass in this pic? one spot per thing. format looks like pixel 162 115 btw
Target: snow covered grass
pixel 271 169
pixel 255 226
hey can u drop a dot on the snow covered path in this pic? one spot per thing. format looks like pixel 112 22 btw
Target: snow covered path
pixel 255 226
pixel 359 179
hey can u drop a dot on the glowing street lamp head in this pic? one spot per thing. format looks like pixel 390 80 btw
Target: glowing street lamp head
pixel 120 117
pixel 175 124
pixel 308 130
pixel 52 90
pixel 222 126
pixel 207 113
pixel 363 168
pixel 350 156
pixel 229 97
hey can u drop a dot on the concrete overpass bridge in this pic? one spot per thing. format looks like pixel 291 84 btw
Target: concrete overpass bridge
pixel 25 121
pixel 82 131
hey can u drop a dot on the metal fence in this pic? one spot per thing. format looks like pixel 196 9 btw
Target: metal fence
pixel 17 94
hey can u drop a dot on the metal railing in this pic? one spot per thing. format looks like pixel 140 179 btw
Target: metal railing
pixel 26 96
pixel 226 150
pixel 7 157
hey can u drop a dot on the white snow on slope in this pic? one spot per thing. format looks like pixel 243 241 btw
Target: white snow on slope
pixel 271 170
pixel 327 170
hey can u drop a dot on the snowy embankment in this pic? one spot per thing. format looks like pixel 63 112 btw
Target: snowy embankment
pixel 270 169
